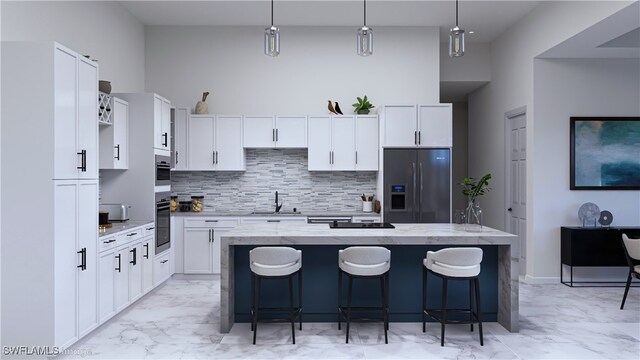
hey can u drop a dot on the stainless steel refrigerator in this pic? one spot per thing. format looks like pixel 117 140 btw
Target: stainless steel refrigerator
pixel 417 185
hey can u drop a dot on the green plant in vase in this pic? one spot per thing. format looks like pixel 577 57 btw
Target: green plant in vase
pixel 363 106
pixel 473 188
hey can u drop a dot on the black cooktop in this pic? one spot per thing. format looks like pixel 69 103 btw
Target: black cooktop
pixel 346 225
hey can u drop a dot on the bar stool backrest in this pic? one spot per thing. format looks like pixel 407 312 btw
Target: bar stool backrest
pixel 464 256
pixel 274 255
pixel 365 255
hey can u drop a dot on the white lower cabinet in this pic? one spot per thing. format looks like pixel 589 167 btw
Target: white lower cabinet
pixel 135 271
pixel 106 282
pixel 147 264
pixel 121 278
pixel 162 267
pixel 201 239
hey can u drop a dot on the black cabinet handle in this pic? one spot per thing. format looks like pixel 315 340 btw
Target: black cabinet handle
pixel 163 261
pixel 212 221
pixel 117 157
pixel 151 228
pixel 83 161
pixel 510 209
pixel 273 220
pixel 209 235
pixel 134 252
pixel 356 157
pixel 146 255
pixel 276 135
pixel 216 157
pixel 176 157
pixel 131 234
pixel 213 154
pixel 415 137
pixel 419 137
pixel 109 241
pixel 83 261
pixel 119 268
pixel 273 134
pixel 165 136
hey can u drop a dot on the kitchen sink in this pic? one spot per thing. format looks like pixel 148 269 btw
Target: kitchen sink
pixel 275 213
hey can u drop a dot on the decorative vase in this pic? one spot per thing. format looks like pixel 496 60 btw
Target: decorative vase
pixel 201 106
pixel 363 111
pixel 367 206
pixel 473 218
pixel 104 86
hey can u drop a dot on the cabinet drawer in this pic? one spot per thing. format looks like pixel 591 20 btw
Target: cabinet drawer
pixel 106 243
pixel 162 268
pixel 275 219
pixel 149 230
pixel 208 222
pixel 365 219
pixel 125 237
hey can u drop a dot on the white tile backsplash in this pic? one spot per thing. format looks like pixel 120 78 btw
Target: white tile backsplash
pixel 268 170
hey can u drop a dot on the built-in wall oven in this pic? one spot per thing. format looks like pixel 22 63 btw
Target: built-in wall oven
pixel 163 170
pixel 163 223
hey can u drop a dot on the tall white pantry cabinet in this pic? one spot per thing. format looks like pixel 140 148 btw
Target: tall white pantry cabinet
pixel 50 174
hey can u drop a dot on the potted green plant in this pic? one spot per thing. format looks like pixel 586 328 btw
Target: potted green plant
pixel 473 188
pixel 363 105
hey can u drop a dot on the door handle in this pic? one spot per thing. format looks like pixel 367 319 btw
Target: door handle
pixel 420 193
pixel 356 157
pixel 329 157
pixel 176 157
pixel 146 255
pixel 419 137
pixel 119 268
pixel 510 209
pixel 83 259
pixel 213 157
pixel 415 138
pixel 216 157
pixel 276 135
pixel 413 165
pixel 273 134
pixel 163 261
pixel 117 157
pixel 209 235
pixel 213 235
pixel 166 139
pixel 273 221
pixel 211 221
pixel 134 252
pixel 83 161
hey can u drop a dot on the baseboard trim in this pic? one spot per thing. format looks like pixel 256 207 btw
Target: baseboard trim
pixel 539 280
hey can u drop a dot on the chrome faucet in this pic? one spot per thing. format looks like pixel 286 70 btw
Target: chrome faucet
pixel 278 207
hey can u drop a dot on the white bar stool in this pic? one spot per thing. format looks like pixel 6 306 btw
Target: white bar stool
pixel 364 262
pixel 453 264
pixel 275 263
pixel 632 253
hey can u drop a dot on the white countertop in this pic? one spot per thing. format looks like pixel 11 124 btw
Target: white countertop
pixel 249 213
pixel 403 234
pixel 123 226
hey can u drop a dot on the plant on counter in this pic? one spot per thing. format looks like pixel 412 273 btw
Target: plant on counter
pixel 473 188
pixel 362 106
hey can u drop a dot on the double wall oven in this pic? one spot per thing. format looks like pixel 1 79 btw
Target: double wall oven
pixel 163 221
pixel 163 170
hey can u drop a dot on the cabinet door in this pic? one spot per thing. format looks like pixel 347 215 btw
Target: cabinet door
pixel 215 249
pixel 158 139
pixel 228 143
pixel 120 109
pixel 291 132
pixel 166 125
pixel 162 267
pixel 65 154
pixel 88 241
pixel 88 117
pixel 367 143
pixel 122 278
pixel 147 265
pixel 66 260
pixel 435 125
pixel 344 143
pixel 259 132
pixel 400 126
pixel 106 284
pixel 319 139
pixel 180 137
pixel 201 150
pixel 197 250
pixel 135 271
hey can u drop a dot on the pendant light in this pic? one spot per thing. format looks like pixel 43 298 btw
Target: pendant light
pixel 272 38
pixel 365 37
pixel 456 39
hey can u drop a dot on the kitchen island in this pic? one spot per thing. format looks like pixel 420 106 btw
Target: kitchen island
pixel 319 244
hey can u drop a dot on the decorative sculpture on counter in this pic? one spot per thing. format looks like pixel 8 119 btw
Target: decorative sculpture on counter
pixel 201 106
pixel 337 108
pixel 330 107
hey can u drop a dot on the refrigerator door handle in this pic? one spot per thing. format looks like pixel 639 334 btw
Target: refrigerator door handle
pixel 415 190
pixel 420 195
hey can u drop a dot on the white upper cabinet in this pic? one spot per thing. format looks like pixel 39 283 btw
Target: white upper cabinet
pixel 367 142
pixel 161 123
pixel 114 139
pixel 435 125
pixel 215 143
pixel 88 117
pixel 343 143
pixel 425 126
pixel 320 146
pixel 275 132
pixel 180 138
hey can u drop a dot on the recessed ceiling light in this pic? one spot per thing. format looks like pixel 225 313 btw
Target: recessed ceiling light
pixel 472 31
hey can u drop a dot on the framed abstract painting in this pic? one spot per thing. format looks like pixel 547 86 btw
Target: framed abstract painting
pixel 605 153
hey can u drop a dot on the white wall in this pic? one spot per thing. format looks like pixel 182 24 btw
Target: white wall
pixel 511 87
pixel 475 65
pixel 565 88
pixel 103 29
pixel 315 65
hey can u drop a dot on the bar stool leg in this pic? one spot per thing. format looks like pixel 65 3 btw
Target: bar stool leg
pixel 443 311
pixel 384 307
pixel 253 297
pixel 471 302
pixel 293 324
pixel 386 288
pixel 257 306
pixel 626 290
pixel 478 311
pixel 350 283
pixel 339 298
pixel 300 297
pixel 424 299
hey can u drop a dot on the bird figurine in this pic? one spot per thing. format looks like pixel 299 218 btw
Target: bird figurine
pixel 330 107
pixel 337 109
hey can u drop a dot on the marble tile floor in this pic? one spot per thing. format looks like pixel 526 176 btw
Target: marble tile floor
pixel 180 320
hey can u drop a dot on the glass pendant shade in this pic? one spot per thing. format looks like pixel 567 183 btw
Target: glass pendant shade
pixel 456 42
pixel 365 41
pixel 272 41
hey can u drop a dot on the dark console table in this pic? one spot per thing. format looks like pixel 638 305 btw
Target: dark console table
pixel 592 246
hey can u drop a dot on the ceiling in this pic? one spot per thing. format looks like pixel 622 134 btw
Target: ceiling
pixel 488 19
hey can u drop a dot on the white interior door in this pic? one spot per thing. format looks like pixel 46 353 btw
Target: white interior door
pixel 517 181
pixel 319 143
pixel 201 151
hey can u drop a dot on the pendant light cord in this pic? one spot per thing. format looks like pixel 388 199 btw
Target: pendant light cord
pixel 272 12
pixel 456 13
pixel 365 13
